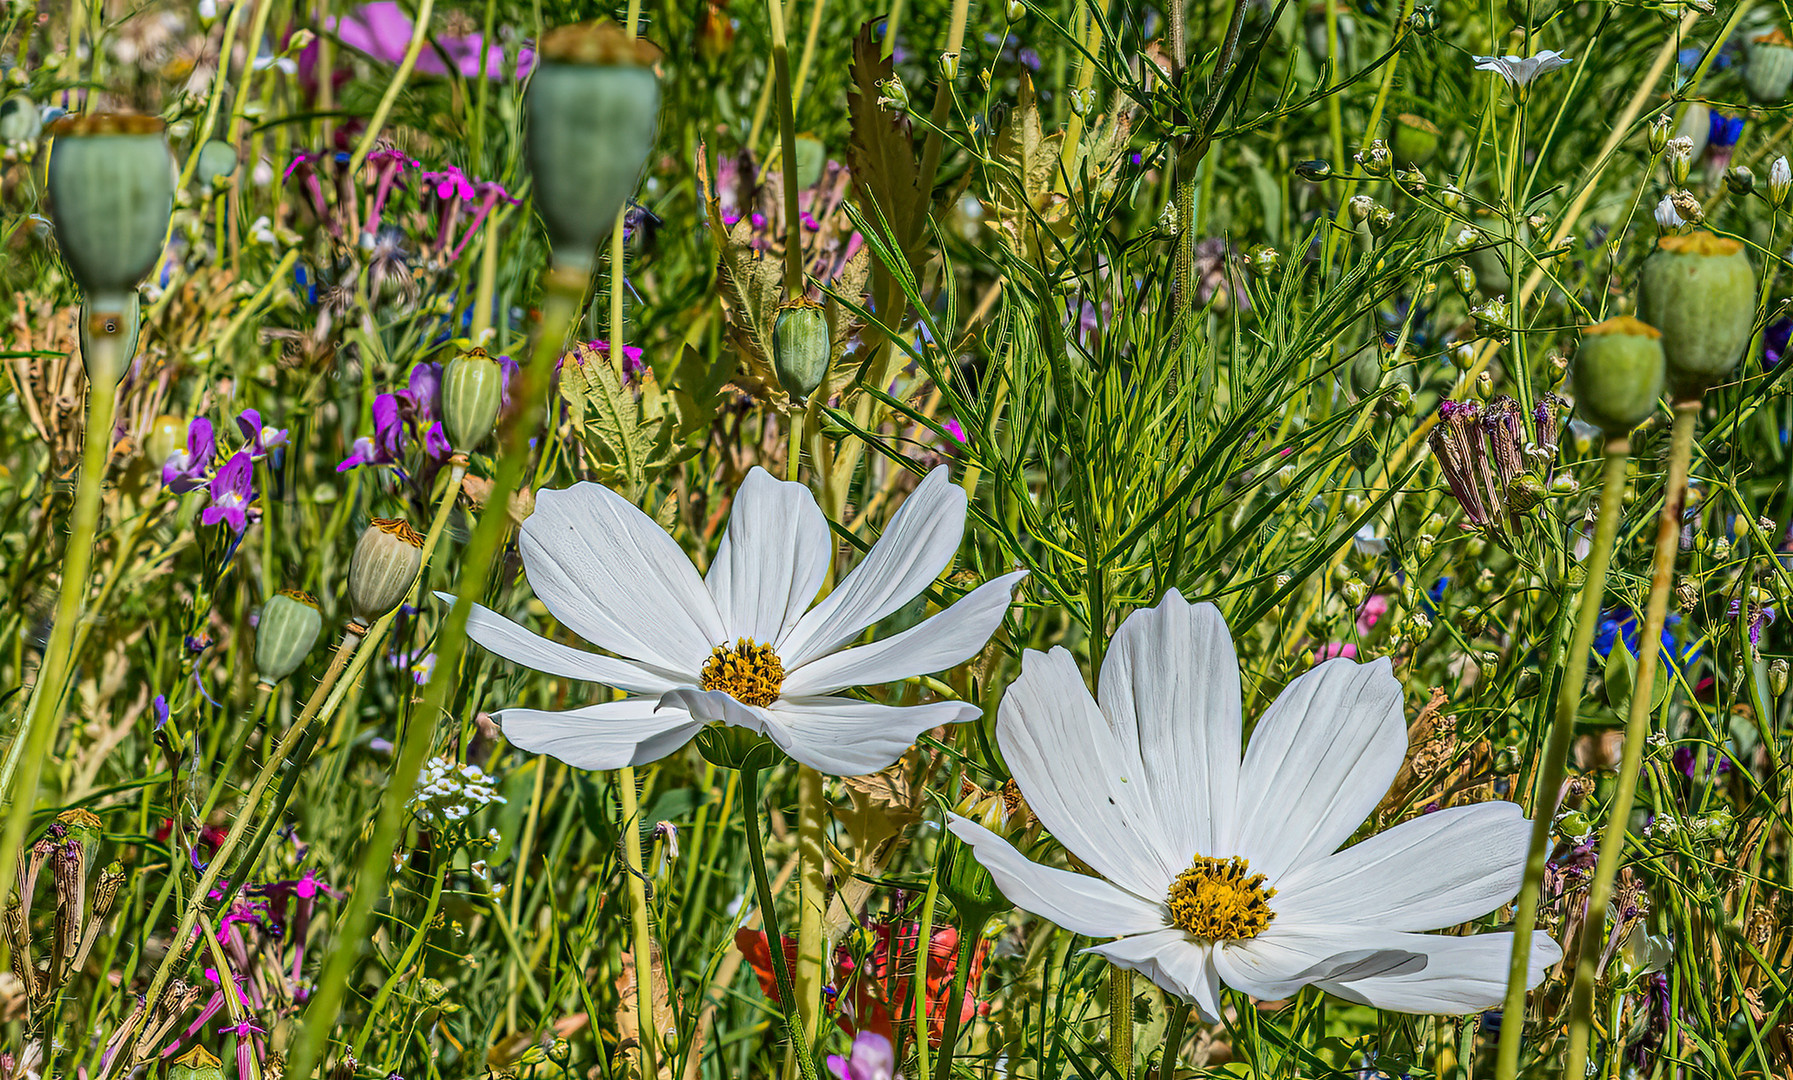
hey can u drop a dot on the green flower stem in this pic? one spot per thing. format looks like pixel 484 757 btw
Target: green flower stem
pixel 781 968
pixel 641 931
pixel 787 143
pixel 1637 730
pixel 1556 753
pixel 1173 1037
pixel 419 33
pixel 562 301
pixel 809 53
pixel 37 735
pixel 1120 1021
pixel 971 933
pixel 812 946
pixel 918 992
pixel 405 960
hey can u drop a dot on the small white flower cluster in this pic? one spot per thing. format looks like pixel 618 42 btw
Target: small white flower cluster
pixel 448 792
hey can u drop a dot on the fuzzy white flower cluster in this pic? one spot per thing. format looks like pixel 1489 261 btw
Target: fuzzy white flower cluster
pixel 448 792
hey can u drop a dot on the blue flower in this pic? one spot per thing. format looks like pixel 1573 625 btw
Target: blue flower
pixel 1620 624
pixel 1722 132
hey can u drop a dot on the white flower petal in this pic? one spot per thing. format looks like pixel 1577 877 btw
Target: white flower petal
pixel 1318 763
pixel 920 541
pixel 1462 974
pixel 949 638
pixel 1079 903
pixel 521 646
pixel 847 737
pixel 715 706
pixel 772 559
pixel 633 731
pixel 1178 963
pixel 1082 777
pixel 614 577
pixel 1436 870
pixel 1171 673
pixel 1283 959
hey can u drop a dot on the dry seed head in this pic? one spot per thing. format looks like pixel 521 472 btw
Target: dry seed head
pixel 598 42
pixel 382 569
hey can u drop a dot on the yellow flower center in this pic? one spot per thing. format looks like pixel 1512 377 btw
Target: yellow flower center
pixel 1221 900
pixel 747 671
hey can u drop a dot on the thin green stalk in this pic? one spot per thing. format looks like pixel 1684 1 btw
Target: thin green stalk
pixel 419 32
pixel 1637 730
pixel 1120 1021
pixel 641 932
pixel 564 292
pixel 971 933
pixel 405 960
pixel 781 968
pixel 924 943
pixel 787 141
pixel 809 53
pixel 1173 1037
pixel 1556 753
pixel 37 735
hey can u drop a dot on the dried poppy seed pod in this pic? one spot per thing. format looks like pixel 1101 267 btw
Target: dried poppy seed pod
pixel 382 570
pixel 801 346
pixel 593 101
pixel 196 1064
pixel 118 329
pixel 1618 374
pixel 472 391
pixel 111 181
pixel 289 626
pixel 1699 290
pixel 1770 67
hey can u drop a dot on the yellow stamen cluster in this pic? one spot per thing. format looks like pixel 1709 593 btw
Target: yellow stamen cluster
pixel 1220 900
pixel 747 671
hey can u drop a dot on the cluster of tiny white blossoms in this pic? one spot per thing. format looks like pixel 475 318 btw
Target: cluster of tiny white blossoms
pixel 449 792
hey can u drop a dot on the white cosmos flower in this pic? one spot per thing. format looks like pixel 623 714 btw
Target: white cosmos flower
pixel 1519 71
pixel 1221 870
pixel 740 645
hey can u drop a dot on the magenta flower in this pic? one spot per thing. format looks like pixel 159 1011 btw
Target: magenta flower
pixel 186 470
pixel 421 398
pixel 262 440
pixel 232 491
pixel 383 31
pixel 449 183
pixel 871 1058
pixel 489 193
pixel 388 164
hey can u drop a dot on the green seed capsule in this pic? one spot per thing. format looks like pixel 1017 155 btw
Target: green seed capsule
pixel 110 336
pixel 1699 290
pixel 1618 374
pixel 217 162
pixel 1770 68
pixel 20 120
pixel 382 569
pixel 472 387
pixel 111 181
pixel 1415 140
pixel 289 627
pixel 800 346
pixel 196 1064
pixel 592 104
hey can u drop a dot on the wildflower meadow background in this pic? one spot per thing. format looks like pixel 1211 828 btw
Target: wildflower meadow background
pixel 735 538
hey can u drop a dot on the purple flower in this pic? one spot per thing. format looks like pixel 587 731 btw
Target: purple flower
pixel 1688 762
pixel 421 398
pixel 633 364
pixel 161 707
pixel 261 439
pixel 1774 341
pixel 512 372
pixel 383 31
pixel 449 183
pixel 955 429
pixel 489 193
pixel 186 470
pixel 387 445
pixel 1760 615
pixel 871 1059
pixel 232 491
pixel 436 444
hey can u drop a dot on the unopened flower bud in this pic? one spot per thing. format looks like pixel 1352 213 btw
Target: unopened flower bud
pixel 1618 374
pixel 1780 182
pixel 1314 171
pixel 801 347
pixel 382 569
pixel 1015 10
pixel 1451 197
pixel 1777 676
pixel 1657 137
pixel 472 391
pixel 1356 592
pixel 287 630
pixel 1721 549
pixel 1359 208
pixel 1574 824
pixel 1376 159
pixel 892 94
pixel 1740 179
pixel 1677 154
pixel 1464 279
pixel 111 185
pixel 1700 291
pixel 1484 386
pixel 1262 261
pixel 1382 219
pixel 1412 181
pixel 949 65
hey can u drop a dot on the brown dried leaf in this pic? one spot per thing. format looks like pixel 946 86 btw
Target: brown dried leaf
pixel 628 1026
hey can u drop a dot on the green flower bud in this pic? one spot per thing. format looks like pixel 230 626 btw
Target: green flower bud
pixel 1574 824
pixel 1262 261
pixel 1740 179
pixel 289 627
pixel 800 346
pixel 967 884
pixel 167 436
pixel 1770 67
pixel 592 105
pixel 729 747
pixel 1414 140
pixel 472 385
pixel 111 181
pixel 118 328
pixel 1464 279
pixel 1777 676
pixel 382 569
pixel 196 1064
pixel 1699 290
pixel 1314 171
pixel 20 120
pixel 1618 374
pixel 217 162
pixel 1412 181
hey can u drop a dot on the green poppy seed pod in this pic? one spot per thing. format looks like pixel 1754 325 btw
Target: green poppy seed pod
pixel 196 1064
pixel 592 103
pixel 1618 374
pixel 111 182
pixel 801 346
pixel 1414 140
pixel 217 162
pixel 20 120
pixel 289 626
pixel 1699 290
pixel 1770 67
pixel 120 327
pixel 472 386
pixel 382 569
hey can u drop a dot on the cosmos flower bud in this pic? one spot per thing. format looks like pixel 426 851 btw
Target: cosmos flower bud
pixel 472 386
pixel 1415 141
pixel 382 569
pixel 289 627
pixel 111 181
pixel 118 328
pixel 592 105
pixel 801 346
pixel 196 1064
pixel 1780 182
pixel 1770 67
pixel 1618 374
pixel 1700 292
